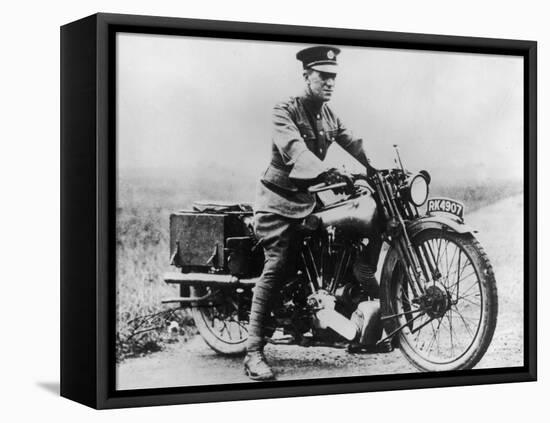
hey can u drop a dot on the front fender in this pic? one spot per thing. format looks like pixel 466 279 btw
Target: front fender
pixel 437 222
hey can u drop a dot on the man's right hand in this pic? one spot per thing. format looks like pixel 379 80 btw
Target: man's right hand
pixel 370 168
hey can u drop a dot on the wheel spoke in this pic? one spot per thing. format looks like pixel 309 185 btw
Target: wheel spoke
pixel 461 280
pixel 439 249
pixel 432 339
pixel 467 290
pixel 458 266
pixel 447 258
pixel 464 322
pixel 438 334
pixel 242 325
pixel 469 301
pixel 418 334
pixel 450 265
pixel 228 331
pixel 222 321
pixel 391 316
pixel 449 332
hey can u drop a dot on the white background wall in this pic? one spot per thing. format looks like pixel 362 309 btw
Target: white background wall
pixel 30 209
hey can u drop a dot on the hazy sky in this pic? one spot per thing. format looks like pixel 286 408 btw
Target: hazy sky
pixel 185 101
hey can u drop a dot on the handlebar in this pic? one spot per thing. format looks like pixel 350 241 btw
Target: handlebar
pixel 354 177
pixel 322 187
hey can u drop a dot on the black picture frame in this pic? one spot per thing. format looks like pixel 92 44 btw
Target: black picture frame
pixel 88 172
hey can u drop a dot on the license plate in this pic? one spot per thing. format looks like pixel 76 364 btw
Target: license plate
pixel 445 205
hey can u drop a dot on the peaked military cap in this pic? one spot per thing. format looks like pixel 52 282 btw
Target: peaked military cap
pixel 320 58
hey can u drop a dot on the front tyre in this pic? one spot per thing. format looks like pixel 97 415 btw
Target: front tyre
pixel 451 324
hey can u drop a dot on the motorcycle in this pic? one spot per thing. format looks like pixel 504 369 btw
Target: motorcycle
pixel 438 296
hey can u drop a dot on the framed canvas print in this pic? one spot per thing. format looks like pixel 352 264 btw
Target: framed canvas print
pixel 255 211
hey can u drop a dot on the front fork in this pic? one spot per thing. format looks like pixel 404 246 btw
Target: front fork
pixel 419 261
pixel 421 271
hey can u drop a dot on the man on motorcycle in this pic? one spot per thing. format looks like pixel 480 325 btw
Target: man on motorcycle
pixel 303 129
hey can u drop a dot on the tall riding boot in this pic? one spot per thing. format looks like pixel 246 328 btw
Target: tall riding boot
pixel 364 273
pixel 364 268
pixel 276 234
pixel 255 364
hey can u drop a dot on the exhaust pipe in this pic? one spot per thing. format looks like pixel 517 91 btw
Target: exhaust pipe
pixel 185 280
pixel 337 322
pixel 327 317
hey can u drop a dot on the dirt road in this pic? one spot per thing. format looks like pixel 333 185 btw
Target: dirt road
pixel 194 363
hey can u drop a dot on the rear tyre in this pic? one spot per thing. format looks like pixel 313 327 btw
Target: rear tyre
pixel 451 326
pixel 220 325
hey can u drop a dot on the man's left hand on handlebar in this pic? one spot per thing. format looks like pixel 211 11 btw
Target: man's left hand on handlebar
pixel 334 176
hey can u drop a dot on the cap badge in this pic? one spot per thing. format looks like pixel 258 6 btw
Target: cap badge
pixel 330 54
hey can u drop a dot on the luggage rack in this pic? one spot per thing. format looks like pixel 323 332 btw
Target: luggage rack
pixel 219 207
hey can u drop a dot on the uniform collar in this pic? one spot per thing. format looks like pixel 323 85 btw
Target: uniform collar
pixel 311 104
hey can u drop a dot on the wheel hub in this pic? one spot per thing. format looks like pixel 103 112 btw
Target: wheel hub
pixel 436 301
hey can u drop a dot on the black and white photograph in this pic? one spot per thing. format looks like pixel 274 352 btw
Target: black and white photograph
pixel 297 211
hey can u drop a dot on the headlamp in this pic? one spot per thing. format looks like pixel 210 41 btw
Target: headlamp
pixel 418 188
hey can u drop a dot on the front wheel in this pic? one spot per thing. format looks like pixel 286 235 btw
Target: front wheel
pixel 450 324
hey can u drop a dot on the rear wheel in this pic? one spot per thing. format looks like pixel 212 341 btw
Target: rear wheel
pixel 221 324
pixel 450 325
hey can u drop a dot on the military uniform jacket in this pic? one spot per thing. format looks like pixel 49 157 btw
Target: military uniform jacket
pixel 302 134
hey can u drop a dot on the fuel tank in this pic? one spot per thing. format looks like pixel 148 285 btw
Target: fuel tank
pixel 356 217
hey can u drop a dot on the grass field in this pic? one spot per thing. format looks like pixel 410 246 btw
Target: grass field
pixel 144 204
